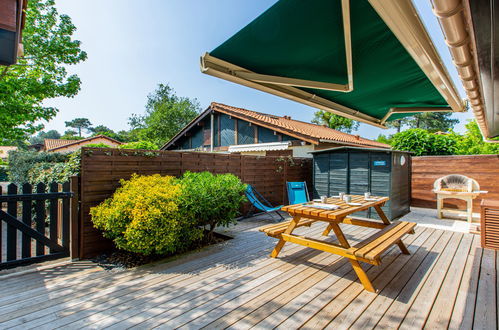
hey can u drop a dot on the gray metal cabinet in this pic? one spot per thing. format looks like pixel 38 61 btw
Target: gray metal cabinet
pixel 355 171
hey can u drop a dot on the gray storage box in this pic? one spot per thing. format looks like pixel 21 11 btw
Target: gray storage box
pixel 354 170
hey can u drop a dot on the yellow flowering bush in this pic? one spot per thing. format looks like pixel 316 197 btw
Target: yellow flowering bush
pixel 143 216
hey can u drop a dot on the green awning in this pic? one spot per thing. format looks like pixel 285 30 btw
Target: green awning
pixel 300 50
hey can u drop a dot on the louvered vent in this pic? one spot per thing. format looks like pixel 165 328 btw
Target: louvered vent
pixel 490 224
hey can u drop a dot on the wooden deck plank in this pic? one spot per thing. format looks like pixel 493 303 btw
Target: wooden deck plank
pixel 226 302
pixel 440 314
pixel 221 305
pixel 111 314
pixel 422 305
pixel 399 307
pixel 377 307
pixel 464 306
pixel 402 267
pixel 322 318
pixel 128 285
pixel 268 302
pixel 315 305
pixel 98 287
pixel 286 310
pixel 485 307
pixel 30 294
pixel 236 285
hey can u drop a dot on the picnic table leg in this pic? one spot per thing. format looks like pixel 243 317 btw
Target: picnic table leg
pixel 339 234
pixel 361 274
pixel 289 230
pixel 385 220
pixel 327 230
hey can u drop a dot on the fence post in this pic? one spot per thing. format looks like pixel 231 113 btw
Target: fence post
pixel 284 183
pixel 74 220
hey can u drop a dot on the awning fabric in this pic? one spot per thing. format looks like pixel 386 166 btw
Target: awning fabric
pixel 305 40
pixel 271 146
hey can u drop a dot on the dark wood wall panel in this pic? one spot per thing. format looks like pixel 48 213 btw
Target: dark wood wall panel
pixel 102 169
pixel 425 170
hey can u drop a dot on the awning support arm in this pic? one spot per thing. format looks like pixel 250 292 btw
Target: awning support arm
pixel 411 110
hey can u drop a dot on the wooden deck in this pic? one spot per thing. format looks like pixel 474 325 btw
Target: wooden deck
pixel 446 282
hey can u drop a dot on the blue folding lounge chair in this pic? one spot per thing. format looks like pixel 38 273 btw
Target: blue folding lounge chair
pixel 259 202
pixel 297 193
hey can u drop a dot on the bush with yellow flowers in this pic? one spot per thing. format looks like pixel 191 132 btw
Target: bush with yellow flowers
pixel 144 216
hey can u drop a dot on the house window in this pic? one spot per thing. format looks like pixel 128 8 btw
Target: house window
pixel 245 133
pixel 226 131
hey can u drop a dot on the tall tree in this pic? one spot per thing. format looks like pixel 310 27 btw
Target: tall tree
pixel 433 121
pixel 331 120
pixel 397 124
pixel 79 124
pixel 41 136
pixel 166 114
pixel 70 135
pixel 40 73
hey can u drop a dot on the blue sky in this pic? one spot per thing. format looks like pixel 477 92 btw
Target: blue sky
pixel 134 45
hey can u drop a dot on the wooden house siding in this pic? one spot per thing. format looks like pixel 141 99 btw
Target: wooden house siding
pixel 266 135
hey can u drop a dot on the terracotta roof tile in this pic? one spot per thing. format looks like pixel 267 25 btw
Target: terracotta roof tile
pixel 295 127
pixel 56 143
pixel 51 144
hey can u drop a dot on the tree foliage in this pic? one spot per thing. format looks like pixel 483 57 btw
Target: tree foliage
pixel 79 124
pixel 472 143
pixel 336 122
pixel 21 162
pixel 433 121
pixel 166 114
pixel 423 143
pixel 144 145
pixel 397 124
pixel 41 136
pixel 40 73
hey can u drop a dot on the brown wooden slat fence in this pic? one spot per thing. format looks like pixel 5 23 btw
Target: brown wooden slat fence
pixel 425 170
pixel 102 169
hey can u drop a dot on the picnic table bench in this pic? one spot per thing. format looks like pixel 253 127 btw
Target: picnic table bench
pixel 369 250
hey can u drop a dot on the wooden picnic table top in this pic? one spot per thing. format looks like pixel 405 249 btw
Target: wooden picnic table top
pixel 337 214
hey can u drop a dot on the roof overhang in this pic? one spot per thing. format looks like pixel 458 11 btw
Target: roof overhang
pixel 272 146
pixel 12 17
pixel 399 16
pixel 472 36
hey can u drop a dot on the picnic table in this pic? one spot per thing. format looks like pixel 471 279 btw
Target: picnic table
pixel 368 250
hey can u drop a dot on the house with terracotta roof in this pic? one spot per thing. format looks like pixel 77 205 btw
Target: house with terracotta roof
pixel 60 145
pixel 4 151
pixel 223 128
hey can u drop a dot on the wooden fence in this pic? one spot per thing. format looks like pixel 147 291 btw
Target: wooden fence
pixel 102 169
pixel 425 170
pixel 35 223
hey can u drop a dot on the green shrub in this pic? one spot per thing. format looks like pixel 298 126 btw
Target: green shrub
pixel 55 172
pixel 421 142
pixel 21 162
pixel 472 143
pixel 212 200
pixel 145 145
pixel 3 173
pixel 143 216
pixel 97 145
